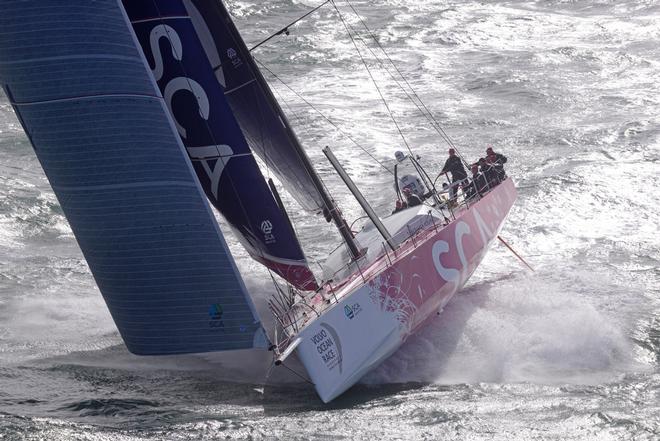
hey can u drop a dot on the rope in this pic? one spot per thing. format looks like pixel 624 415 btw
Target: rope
pixel 424 110
pixel 341 17
pixel 349 137
pixel 285 29
pixel 299 118
pixel 412 96
pixel 515 254
pixel 302 377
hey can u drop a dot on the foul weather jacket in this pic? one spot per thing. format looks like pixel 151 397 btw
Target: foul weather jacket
pixel 455 167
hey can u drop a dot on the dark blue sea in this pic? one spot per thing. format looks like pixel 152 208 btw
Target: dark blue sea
pixel 568 90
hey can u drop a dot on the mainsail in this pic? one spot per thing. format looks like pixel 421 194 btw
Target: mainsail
pixel 176 43
pixel 110 149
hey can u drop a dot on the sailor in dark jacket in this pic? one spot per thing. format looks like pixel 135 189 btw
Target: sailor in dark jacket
pixel 497 166
pixel 454 165
pixel 499 158
pixel 470 190
pixel 412 199
pixel 477 185
pixel 489 172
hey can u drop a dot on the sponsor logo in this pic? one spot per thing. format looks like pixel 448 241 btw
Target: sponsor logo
pixel 328 347
pixel 215 314
pixel 267 229
pixel 234 58
pixel 352 310
pixel 349 312
pixel 214 164
pixel 440 247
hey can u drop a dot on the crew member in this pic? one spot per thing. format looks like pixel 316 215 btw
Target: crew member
pixel 473 188
pixel 454 165
pixel 441 196
pixel 498 168
pixel 499 158
pixel 489 172
pixel 400 205
pixel 412 199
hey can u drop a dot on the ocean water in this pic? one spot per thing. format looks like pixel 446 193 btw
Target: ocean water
pixel 568 90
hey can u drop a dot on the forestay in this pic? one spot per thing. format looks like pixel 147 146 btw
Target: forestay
pixel 102 132
pixel 189 72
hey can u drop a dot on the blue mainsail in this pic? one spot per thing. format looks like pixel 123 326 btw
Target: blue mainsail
pixel 103 134
pixel 190 80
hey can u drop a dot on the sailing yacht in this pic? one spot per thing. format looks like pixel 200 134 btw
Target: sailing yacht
pixel 145 116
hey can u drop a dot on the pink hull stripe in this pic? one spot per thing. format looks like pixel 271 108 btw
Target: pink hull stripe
pixel 425 277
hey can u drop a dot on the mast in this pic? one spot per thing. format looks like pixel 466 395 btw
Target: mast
pixel 329 203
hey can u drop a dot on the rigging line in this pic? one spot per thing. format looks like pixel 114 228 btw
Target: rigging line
pixel 210 133
pixel 270 369
pixel 341 17
pixel 324 117
pixel 373 37
pixel 279 296
pixel 299 118
pixel 300 154
pixel 429 115
pixel 442 134
pixel 424 110
pixel 285 29
pixel 293 224
pixel 297 374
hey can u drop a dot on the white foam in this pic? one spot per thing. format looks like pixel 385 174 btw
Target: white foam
pixel 517 330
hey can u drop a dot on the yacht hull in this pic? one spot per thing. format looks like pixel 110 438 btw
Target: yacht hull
pixel 378 312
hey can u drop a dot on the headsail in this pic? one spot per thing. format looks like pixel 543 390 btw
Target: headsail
pixel 176 43
pixel 103 134
pixel 258 113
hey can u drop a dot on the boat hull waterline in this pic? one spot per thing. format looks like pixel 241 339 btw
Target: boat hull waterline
pixel 371 321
